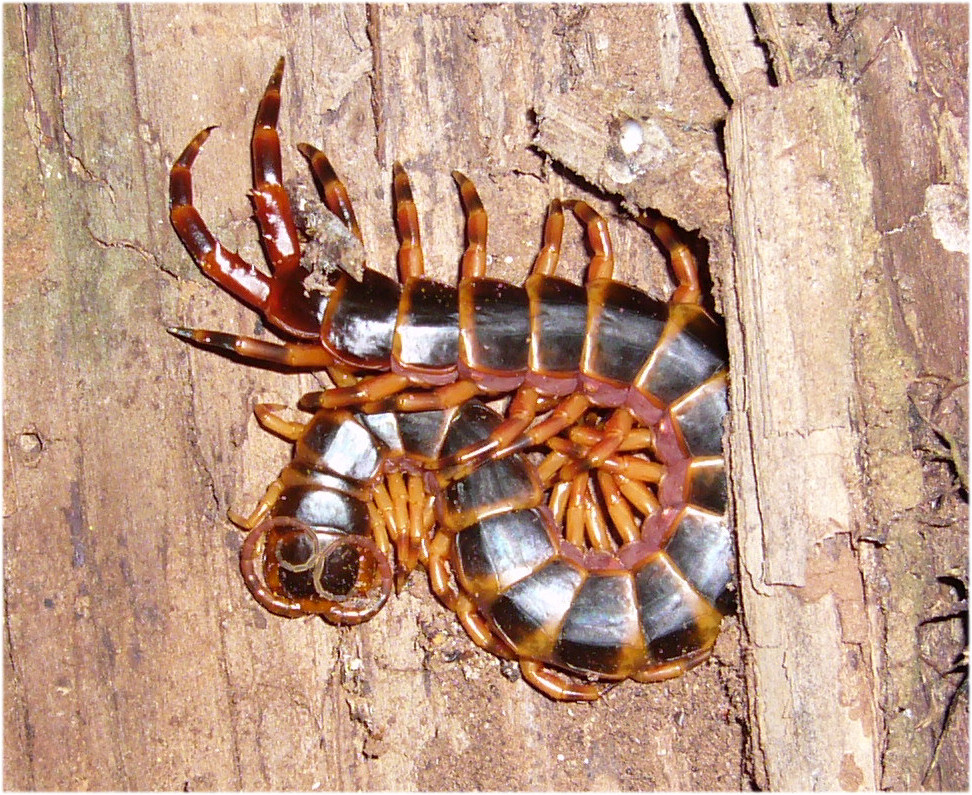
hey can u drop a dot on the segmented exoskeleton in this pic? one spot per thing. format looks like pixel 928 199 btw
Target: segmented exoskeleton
pixel 321 539
pixel 640 601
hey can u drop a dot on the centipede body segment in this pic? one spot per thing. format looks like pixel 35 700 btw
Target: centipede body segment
pixel 607 556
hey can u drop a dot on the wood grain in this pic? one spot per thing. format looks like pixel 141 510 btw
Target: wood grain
pixel 134 657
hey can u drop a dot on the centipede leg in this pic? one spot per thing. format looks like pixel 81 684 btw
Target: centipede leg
pixel 553 233
pixel 384 393
pixel 272 204
pixel 520 413
pixel 598 529
pixel 411 261
pixel 386 507
pixel 418 529
pixel 276 424
pixel 556 685
pixel 474 258
pixel 440 575
pixel 634 468
pixel 227 268
pixel 550 466
pixel 566 413
pixel 367 390
pixel 684 265
pixel 478 628
pixel 289 354
pixel 576 512
pixel 636 439
pixel 379 531
pixel 394 501
pixel 616 429
pixel 618 508
pixel 602 261
pixel 443 397
pixel 403 509
pixel 262 510
pixel 637 494
pixel 335 193
pixel 631 467
pixel 662 671
pixel 557 501
pixel 444 587
pixel 511 435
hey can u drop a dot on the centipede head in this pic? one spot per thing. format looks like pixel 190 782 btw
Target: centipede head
pixel 293 570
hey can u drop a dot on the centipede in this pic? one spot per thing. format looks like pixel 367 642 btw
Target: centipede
pixel 583 532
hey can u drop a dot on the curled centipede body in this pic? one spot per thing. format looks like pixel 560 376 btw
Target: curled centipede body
pixel 592 369
pixel 353 497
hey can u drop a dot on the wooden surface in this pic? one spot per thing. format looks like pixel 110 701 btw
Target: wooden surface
pixel 135 658
pixel 844 209
pixel 798 490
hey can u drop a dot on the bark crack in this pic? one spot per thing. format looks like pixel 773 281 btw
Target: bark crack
pixel 78 165
pixel 13 691
pixel 373 32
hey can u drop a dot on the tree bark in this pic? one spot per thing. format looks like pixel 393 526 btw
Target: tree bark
pixel 135 657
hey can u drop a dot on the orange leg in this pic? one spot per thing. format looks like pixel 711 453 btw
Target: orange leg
pixel 443 397
pixel 636 439
pixel 520 413
pixel 379 532
pixel 551 465
pixel 634 468
pixel 289 354
pixel 637 494
pixel 444 587
pixel 262 510
pixel 557 685
pixel 686 269
pixel 419 526
pixel 411 262
pixel 597 527
pixel 384 393
pixel 474 258
pixel 440 575
pixel 227 268
pixel 553 234
pixel 386 506
pixel 602 262
pixel 366 390
pixel 335 193
pixel 663 671
pixel 576 509
pixel 616 430
pixel 622 517
pixel 272 204
pixel 478 628
pixel 291 431
pixel 567 412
